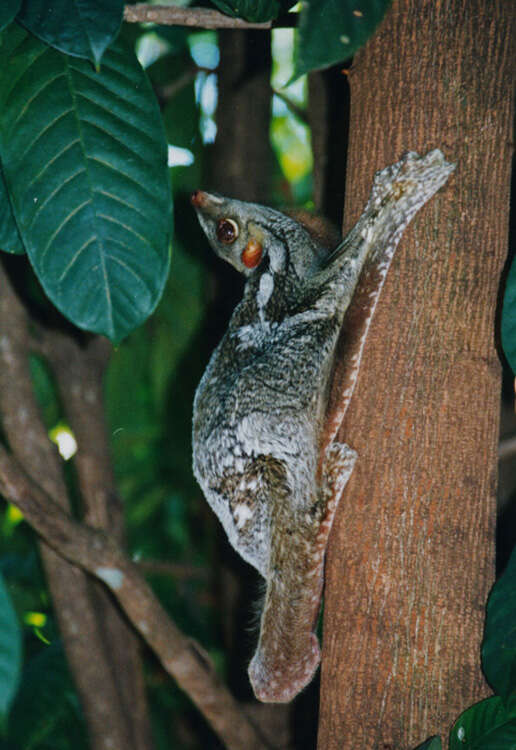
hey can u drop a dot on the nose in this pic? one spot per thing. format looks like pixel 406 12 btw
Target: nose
pixel 198 198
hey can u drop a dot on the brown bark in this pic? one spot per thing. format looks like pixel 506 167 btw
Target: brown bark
pixel 70 588
pixel 411 557
pixel 79 374
pixel 241 157
pixel 203 18
pixel 98 554
pixel 100 643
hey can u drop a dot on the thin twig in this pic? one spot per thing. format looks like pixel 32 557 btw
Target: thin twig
pixel 202 18
pixel 294 108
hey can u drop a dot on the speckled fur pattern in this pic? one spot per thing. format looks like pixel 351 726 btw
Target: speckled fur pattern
pixel 259 408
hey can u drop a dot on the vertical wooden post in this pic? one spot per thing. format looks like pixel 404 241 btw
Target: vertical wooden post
pixel 411 557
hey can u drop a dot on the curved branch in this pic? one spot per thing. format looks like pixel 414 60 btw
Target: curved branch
pixel 98 554
pixel 79 371
pixel 202 18
pixel 72 592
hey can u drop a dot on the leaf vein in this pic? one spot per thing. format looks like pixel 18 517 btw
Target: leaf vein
pixel 35 96
pixel 76 256
pixel 42 132
pixel 14 81
pixel 139 133
pixel 123 202
pixel 128 228
pixel 61 226
pixel 52 160
pixel 54 192
pixel 119 171
pixel 131 271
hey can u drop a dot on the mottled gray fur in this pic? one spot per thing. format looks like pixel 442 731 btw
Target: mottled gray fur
pixel 260 406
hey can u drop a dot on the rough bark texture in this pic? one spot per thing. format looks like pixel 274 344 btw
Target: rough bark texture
pixel 411 557
pixel 72 591
pixel 79 374
pixel 102 648
pixel 99 554
pixel 204 18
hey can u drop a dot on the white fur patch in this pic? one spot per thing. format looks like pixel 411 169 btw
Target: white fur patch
pixel 265 290
pixel 242 514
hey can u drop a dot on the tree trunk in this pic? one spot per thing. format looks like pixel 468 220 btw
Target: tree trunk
pixel 241 157
pixel 411 557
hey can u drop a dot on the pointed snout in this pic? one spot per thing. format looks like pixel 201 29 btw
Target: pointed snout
pixel 204 200
pixel 198 198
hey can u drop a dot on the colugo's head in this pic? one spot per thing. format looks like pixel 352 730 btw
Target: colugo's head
pixel 251 236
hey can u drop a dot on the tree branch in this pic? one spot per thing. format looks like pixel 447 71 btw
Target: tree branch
pixel 202 18
pixel 79 373
pixel 70 589
pixel 99 554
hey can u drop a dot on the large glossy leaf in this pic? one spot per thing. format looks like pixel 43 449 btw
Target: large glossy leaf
pixel 10 240
pixel 8 10
pixel 434 743
pixel 10 650
pixel 509 317
pixel 499 645
pixel 256 11
pixel 84 156
pixel 78 27
pixel 484 726
pixel 331 31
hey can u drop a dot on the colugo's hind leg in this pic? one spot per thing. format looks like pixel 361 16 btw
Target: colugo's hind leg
pixel 288 651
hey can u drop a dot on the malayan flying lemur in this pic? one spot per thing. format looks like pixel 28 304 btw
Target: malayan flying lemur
pixel 260 407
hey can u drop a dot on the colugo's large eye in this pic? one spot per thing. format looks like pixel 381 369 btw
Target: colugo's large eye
pixel 227 231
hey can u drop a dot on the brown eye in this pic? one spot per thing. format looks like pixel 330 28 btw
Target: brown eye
pixel 227 231
pixel 252 254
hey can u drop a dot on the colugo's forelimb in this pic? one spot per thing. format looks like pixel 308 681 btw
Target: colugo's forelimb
pixel 261 451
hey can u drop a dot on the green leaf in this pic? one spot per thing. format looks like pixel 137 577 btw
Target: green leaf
pixel 433 743
pixel 509 317
pixel 83 28
pixel 255 11
pixel 10 240
pixel 484 726
pixel 499 644
pixel 331 31
pixel 8 10
pixel 10 650
pixel 44 708
pixel 85 161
